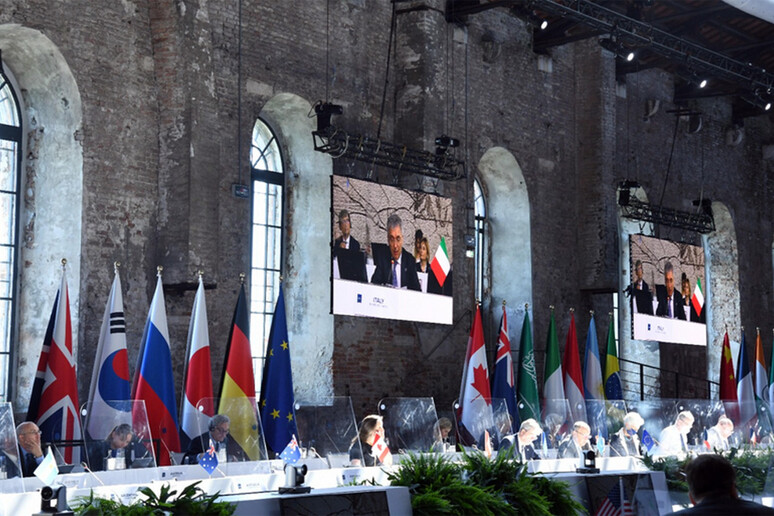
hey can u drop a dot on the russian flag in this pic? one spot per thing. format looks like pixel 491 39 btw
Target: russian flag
pixel 154 382
pixel 198 375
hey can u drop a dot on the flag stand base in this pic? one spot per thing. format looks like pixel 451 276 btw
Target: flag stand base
pixel 295 490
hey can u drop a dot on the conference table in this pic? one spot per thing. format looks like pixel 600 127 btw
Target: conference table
pixel 253 486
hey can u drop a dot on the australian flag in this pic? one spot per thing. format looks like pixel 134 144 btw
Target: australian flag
pixel 209 459
pixel 291 454
pixel 503 382
pixel 54 399
pixel 277 415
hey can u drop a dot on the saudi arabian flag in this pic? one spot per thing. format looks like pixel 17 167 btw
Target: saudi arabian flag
pixel 440 264
pixel 527 394
pixel 698 297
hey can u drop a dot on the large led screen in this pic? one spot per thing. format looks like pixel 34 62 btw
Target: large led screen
pixel 391 252
pixel 666 293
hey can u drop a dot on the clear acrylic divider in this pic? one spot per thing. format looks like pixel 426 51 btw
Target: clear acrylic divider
pixel 117 436
pixel 503 421
pixel 10 467
pixel 557 424
pixel 408 423
pixel 605 417
pixel 327 430
pixel 660 435
pixel 472 426
pixel 244 442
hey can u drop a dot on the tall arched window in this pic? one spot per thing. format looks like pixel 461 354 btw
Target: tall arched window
pixel 267 237
pixel 10 167
pixel 480 221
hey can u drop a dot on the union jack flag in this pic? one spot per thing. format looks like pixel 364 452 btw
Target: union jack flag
pixel 54 399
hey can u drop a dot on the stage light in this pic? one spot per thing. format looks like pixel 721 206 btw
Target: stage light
pixel 544 25
pixel 630 56
pixel 324 111
pixel 702 83
pixel 612 45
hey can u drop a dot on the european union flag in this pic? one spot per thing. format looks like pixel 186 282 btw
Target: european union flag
pixel 209 459
pixel 291 454
pixel 276 402
pixel 647 440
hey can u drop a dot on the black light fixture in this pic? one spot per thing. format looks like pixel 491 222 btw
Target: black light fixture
pixel 611 44
pixel 338 143
pixel 700 221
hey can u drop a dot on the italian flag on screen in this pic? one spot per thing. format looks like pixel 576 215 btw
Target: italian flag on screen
pixel 698 297
pixel 440 264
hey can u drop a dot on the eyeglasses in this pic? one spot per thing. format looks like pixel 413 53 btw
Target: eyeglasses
pixel 38 432
pixel 220 430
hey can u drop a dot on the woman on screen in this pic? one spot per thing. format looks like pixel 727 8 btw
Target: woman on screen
pixel 423 250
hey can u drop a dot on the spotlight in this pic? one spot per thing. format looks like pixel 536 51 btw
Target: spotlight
pixel 702 83
pixel 614 46
pixel 544 25
pixel 324 111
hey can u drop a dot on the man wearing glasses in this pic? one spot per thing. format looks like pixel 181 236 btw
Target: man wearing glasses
pixel 30 452
pixel 228 449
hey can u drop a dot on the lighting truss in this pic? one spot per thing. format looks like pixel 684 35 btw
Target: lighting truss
pixel 700 222
pixel 340 144
pixel 637 34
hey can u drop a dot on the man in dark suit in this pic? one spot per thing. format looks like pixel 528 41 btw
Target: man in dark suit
pixel 219 427
pixel 712 489
pixel 115 446
pixel 670 301
pixel 577 443
pixel 30 451
pixel 640 292
pixel 520 444
pixel 399 268
pixel 346 240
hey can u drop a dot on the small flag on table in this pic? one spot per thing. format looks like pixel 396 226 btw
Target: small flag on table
pixel 380 449
pixel 706 440
pixel 291 454
pixel 209 459
pixel 647 440
pixel 47 470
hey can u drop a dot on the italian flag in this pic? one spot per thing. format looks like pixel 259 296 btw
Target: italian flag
pixel 698 297
pixel 440 264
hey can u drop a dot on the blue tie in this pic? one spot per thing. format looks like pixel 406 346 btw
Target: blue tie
pixel 669 307
pixel 394 273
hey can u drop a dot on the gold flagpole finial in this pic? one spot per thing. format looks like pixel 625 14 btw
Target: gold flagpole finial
pixel 758 330
pixel 116 265
pixel 591 313
pixel 610 314
pixel 551 307
pixel 200 273
pixel 64 262
pixel 572 310
pixel 526 306
pixel 503 303
pixel 159 268
pixel 242 276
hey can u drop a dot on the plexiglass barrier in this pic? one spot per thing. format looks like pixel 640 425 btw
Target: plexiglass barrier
pixel 10 466
pixel 408 423
pixel 117 436
pixel 235 430
pixel 327 430
pixel 474 423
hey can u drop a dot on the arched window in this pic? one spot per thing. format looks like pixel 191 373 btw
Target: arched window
pixel 10 167
pixel 267 237
pixel 480 222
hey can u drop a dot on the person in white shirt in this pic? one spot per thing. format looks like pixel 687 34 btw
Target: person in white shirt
pixel 673 439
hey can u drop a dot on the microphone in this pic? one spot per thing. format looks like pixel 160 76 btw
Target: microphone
pixel 87 469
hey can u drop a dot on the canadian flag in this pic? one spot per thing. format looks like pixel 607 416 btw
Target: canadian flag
pixel 380 449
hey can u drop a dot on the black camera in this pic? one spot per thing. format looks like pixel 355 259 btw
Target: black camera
pixel 53 500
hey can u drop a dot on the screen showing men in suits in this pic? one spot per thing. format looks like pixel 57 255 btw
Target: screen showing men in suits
pixel 387 242
pixel 667 282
